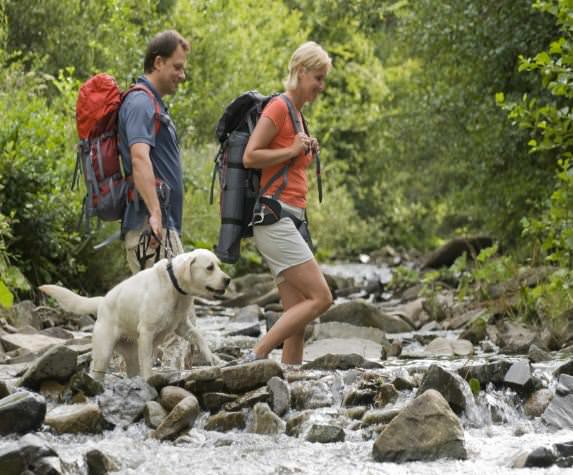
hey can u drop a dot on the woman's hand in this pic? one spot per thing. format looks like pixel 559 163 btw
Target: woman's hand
pixel 314 146
pixel 301 143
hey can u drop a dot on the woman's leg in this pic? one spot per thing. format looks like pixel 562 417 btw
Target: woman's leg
pixel 304 280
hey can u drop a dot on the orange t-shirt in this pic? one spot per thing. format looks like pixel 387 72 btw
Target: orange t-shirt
pixel 297 185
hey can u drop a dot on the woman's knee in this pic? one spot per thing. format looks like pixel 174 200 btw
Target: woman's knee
pixel 323 300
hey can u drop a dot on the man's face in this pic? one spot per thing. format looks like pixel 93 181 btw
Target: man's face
pixel 170 71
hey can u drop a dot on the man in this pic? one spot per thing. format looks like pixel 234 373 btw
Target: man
pixel 152 221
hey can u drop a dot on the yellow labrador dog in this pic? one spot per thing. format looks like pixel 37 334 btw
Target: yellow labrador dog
pixel 139 313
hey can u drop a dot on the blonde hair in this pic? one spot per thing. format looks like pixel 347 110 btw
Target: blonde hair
pixel 309 56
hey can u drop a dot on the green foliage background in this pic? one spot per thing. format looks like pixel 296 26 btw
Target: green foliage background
pixel 415 147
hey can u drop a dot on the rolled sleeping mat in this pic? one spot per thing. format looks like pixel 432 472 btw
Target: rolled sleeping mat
pixel 234 190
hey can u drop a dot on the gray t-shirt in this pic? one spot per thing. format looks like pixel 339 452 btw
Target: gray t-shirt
pixel 137 124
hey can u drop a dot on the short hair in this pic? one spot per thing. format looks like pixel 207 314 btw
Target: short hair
pixel 310 56
pixel 163 44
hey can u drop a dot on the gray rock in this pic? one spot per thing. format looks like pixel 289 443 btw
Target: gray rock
pixel 181 417
pixel 310 395
pixel 493 372
pixel 75 419
pixel 248 400
pixel 252 329
pixel 213 402
pixel 249 376
pixel 359 397
pixel 21 412
pixel 450 385
pixel 325 433
pixel 343 362
pixel 539 457
pixel 426 429
pixel 170 396
pixel 280 395
pixel 295 424
pixel 123 402
pixel 361 313
pixel 379 416
pixel 226 421
pixel 30 343
pixel 446 255
pixel 537 355
pixel 519 377
pixel 565 385
pixel 347 330
pixel 248 314
pixel 58 363
pixel 559 413
pixel 566 368
pixel 4 389
pixel 82 382
pixel 154 414
pixel 386 394
pixel 16 457
pixel 99 463
pixel 265 421
pixel 537 403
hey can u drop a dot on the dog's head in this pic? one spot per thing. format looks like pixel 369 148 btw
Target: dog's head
pixel 199 273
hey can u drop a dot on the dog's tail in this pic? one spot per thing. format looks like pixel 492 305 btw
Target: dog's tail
pixel 72 302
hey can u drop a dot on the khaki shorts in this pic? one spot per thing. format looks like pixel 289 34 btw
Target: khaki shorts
pixel 281 244
pixel 132 241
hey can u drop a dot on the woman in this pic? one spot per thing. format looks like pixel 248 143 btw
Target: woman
pixel 273 144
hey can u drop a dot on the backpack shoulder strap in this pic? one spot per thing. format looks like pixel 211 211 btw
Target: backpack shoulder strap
pixel 142 87
pixel 298 127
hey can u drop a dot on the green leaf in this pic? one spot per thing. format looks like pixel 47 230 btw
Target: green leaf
pixel 475 386
pixel 6 297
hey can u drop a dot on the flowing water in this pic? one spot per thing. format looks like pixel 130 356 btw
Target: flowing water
pixel 496 431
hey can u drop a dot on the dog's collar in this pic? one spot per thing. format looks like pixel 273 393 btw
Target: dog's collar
pixel 172 277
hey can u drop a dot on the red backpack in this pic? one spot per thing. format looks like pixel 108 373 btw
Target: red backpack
pixel 108 187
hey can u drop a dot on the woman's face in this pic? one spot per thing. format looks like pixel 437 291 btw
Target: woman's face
pixel 312 82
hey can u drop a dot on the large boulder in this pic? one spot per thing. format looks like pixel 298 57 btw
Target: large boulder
pixel 446 255
pixel 76 418
pixel 426 429
pixel 21 412
pixel 181 417
pixel 265 421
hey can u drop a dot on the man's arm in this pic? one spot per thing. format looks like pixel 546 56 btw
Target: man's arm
pixel 144 180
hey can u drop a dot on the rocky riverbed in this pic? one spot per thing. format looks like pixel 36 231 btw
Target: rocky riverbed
pixel 393 382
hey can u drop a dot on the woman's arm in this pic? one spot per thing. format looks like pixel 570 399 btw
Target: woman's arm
pixel 258 155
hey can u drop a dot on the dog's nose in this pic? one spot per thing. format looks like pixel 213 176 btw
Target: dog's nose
pixel 227 281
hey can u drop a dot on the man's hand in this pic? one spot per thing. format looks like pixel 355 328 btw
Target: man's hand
pixel 156 229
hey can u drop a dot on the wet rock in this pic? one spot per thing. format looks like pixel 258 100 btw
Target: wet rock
pixel 361 313
pixel 340 361
pixel 559 413
pixel 4 389
pixel 426 429
pixel 537 403
pixel 536 354
pixel 249 376
pixel 47 466
pixel 359 397
pixel 356 412
pixel 248 400
pixel 475 331
pixel 265 421
pixel 83 383
pixel 450 385
pixel 181 417
pixel 76 419
pixel 446 255
pixel 295 423
pixel 253 329
pixel 310 395
pixel 154 414
pixel 226 421
pixel 22 314
pixel 170 396
pixel 280 395
pixel 566 368
pixel 513 338
pixel 565 385
pixel 379 416
pixel 17 457
pixel 346 330
pixel 519 377
pixel 30 343
pixel 21 412
pixel 123 402
pixel 412 312
pixel 447 347
pixel 539 457
pixel 99 463
pixel 404 383
pixel 390 350
pixel 58 363
pixel 213 402
pixel 386 394
pixel 325 433
pixel 493 372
